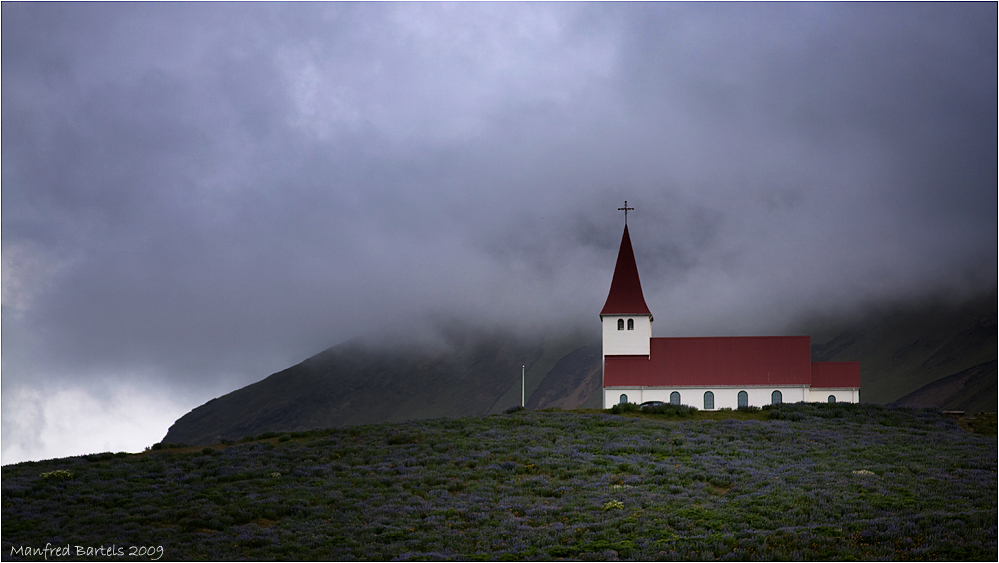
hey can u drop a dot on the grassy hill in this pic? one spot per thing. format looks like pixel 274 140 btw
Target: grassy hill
pixel 856 482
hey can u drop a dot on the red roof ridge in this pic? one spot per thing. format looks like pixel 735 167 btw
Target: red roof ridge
pixel 733 337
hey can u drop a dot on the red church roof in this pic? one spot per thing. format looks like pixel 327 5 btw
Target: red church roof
pixel 625 297
pixel 737 360
pixel 836 374
pixel 750 360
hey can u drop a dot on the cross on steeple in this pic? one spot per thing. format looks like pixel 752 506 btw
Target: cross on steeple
pixel 626 209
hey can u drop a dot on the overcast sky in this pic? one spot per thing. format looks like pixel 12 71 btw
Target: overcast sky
pixel 197 195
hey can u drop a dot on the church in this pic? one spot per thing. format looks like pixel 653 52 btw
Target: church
pixel 709 373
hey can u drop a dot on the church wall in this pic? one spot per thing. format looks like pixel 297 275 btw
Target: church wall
pixel 727 397
pixel 843 395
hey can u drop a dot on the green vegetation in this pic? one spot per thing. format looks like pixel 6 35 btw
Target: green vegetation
pixel 982 423
pixel 806 481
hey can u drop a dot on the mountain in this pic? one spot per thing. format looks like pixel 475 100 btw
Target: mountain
pixel 574 382
pixel 903 348
pixel 972 390
pixel 929 354
pixel 473 372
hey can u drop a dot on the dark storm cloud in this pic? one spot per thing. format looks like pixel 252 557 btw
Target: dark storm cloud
pixel 196 195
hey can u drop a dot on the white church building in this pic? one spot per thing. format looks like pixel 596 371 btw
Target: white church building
pixel 706 372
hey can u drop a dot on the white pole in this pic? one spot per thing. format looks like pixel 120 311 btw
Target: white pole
pixel 522 385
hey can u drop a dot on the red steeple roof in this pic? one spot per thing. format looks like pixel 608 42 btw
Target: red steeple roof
pixel 625 297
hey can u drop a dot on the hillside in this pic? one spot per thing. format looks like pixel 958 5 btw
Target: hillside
pixel 472 373
pixel 799 482
pixel 901 350
pixel 972 390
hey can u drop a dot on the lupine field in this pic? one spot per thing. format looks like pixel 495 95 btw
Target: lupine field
pixel 806 481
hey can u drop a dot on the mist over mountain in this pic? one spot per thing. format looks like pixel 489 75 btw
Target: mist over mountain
pixel 932 354
pixel 903 347
pixel 468 372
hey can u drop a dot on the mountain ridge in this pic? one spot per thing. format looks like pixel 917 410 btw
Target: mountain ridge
pixel 903 350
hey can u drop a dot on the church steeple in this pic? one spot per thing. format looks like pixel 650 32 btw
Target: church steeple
pixel 625 297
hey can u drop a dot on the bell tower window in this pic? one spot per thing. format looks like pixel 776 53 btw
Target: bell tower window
pixel 631 324
pixel 620 324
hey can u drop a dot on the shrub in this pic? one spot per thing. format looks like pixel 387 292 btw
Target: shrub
pixel 613 505
pixel 399 438
pixel 57 475
pixel 625 407
pixel 670 410
pixel 983 423
pixel 167 446
pixel 512 410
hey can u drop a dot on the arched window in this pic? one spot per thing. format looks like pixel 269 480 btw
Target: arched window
pixel 620 324
pixel 743 399
pixel 709 400
pixel 674 398
pixel 832 398
pixel 631 324
pixel 624 399
pixel 775 398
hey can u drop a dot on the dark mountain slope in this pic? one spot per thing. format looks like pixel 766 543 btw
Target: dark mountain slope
pixel 904 348
pixel 475 373
pixel 972 390
pixel 573 383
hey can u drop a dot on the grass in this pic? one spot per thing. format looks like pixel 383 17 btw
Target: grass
pixel 817 481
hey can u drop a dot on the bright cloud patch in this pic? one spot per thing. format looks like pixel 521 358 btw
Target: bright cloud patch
pixel 74 421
